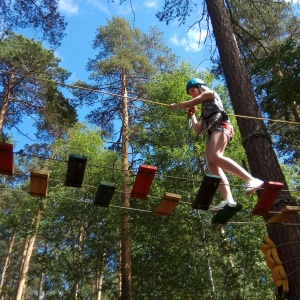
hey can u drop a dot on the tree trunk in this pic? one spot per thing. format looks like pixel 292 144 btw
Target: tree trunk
pixel 98 279
pixel 296 112
pixel 98 286
pixel 261 156
pixel 40 290
pixel 28 249
pixel 126 289
pixel 5 103
pixel 207 259
pixel 42 276
pixel 6 263
pixel 77 271
pixel 27 253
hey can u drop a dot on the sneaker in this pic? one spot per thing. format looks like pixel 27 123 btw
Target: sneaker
pixel 221 205
pixel 252 185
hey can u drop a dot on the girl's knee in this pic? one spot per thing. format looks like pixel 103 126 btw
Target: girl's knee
pixel 213 159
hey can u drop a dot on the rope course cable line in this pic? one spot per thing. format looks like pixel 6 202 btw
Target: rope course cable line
pixel 156 175
pixel 139 210
pixel 143 210
pixel 193 179
pixel 39 187
pixel 160 175
pixel 94 90
pixel 146 211
pixel 139 99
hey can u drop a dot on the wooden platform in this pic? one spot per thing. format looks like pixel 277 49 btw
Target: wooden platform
pixel 75 171
pixel 225 214
pixel 267 198
pixel 143 182
pixel 6 159
pixel 104 194
pixel 284 214
pixel 39 183
pixel 206 192
pixel 167 204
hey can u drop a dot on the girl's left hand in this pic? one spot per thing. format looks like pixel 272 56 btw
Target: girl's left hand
pixel 191 111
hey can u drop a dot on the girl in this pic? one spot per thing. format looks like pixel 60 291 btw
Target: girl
pixel 220 131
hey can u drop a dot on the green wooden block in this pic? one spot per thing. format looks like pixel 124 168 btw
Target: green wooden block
pixel 206 192
pixel 225 214
pixel 104 193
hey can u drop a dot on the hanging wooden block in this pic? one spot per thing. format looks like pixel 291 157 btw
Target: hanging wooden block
pixel 143 181
pixel 39 183
pixel 225 214
pixel 206 192
pixel 75 171
pixel 167 204
pixel 284 214
pixel 6 159
pixel 104 194
pixel 267 198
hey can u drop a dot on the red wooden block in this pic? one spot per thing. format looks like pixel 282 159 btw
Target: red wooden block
pixel 267 198
pixel 143 181
pixel 6 159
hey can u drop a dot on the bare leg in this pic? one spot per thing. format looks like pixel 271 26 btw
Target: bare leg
pixel 217 163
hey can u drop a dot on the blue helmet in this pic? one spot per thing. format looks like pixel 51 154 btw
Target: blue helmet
pixel 194 81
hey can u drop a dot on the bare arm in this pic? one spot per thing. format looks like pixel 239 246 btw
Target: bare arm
pixel 196 125
pixel 204 96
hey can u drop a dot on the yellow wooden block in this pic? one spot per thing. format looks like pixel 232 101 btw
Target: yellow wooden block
pixel 39 183
pixel 284 214
pixel 167 204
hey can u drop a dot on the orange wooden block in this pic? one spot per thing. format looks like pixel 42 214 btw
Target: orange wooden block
pixel 267 198
pixel 6 159
pixel 167 204
pixel 284 214
pixel 143 181
pixel 39 183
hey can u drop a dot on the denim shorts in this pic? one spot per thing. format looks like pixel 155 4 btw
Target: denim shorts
pixel 224 127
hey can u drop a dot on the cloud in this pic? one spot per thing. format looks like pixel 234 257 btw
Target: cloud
pixel 68 7
pixel 192 41
pixel 98 5
pixel 112 8
pixel 151 4
pixel 125 9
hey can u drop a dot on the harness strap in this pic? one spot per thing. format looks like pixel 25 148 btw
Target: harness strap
pixel 223 114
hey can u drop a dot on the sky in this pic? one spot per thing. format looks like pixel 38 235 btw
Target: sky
pixel 84 17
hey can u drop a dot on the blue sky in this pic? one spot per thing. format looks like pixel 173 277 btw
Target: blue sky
pixel 84 17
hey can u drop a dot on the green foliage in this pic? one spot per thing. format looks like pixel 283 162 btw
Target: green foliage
pixel 22 61
pixel 268 36
pixel 122 52
pixel 77 241
pixel 42 15
pixel 278 91
pixel 176 10
pixel 176 258
pixel 179 257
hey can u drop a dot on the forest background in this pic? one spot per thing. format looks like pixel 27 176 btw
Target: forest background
pixel 65 247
